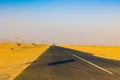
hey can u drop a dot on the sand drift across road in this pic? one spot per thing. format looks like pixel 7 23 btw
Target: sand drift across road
pixel 58 63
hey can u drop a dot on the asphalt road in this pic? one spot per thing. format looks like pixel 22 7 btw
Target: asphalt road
pixel 58 63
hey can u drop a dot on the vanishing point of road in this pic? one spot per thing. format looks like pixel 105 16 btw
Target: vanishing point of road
pixel 58 63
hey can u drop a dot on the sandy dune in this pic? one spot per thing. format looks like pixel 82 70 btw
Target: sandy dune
pixel 14 59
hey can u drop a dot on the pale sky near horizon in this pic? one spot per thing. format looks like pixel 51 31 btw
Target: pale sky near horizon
pixel 61 21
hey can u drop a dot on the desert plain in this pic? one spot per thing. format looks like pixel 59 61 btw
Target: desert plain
pixel 15 58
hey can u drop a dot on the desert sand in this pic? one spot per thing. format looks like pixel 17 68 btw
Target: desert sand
pixel 109 52
pixel 14 59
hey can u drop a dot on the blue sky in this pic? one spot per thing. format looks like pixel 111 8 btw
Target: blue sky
pixel 61 21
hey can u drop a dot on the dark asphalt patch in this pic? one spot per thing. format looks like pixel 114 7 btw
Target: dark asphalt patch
pixel 58 64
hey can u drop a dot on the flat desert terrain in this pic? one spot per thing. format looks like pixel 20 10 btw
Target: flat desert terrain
pixel 110 52
pixel 14 59
pixel 60 63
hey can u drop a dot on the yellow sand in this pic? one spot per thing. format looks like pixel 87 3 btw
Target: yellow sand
pixel 14 61
pixel 110 52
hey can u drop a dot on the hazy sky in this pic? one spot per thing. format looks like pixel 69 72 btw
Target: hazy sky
pixel 61 21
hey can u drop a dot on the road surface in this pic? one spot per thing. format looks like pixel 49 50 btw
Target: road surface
pixel 58 63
